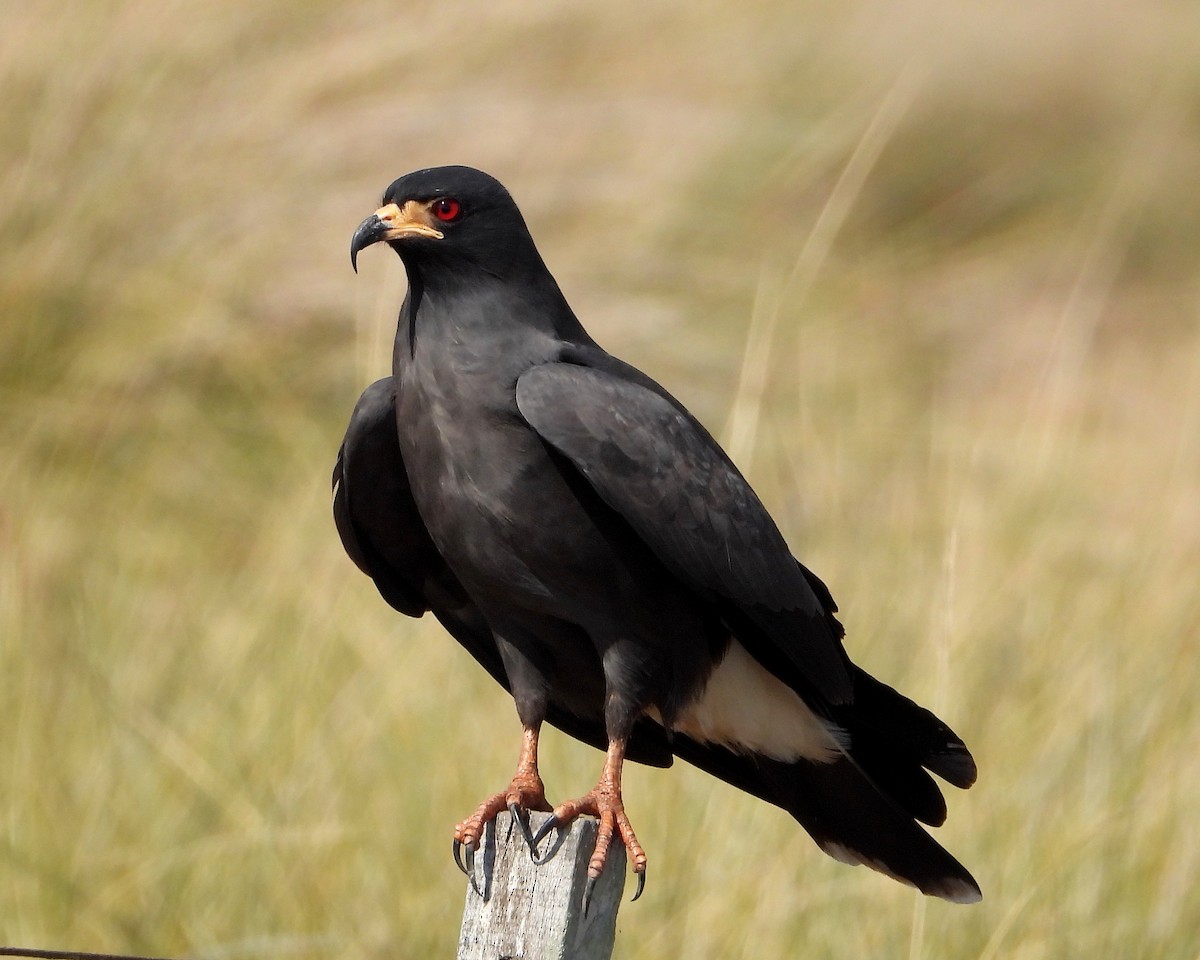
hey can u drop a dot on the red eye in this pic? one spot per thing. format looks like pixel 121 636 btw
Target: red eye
pixel 447 209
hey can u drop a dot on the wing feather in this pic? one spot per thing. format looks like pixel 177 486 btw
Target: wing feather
pixel 656 466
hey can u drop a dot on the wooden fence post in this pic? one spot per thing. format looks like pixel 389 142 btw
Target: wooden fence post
pixel 535 912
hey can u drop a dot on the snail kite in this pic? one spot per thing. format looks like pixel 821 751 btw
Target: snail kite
pixel 576 529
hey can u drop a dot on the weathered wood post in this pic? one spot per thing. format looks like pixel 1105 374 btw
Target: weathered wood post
pixel 534 911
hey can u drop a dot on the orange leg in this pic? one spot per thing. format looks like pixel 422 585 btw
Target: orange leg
pixel 603 801
pixel 525 792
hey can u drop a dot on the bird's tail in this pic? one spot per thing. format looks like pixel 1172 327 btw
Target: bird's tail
pixel 854 821
pixel 894 741
pixel 862 808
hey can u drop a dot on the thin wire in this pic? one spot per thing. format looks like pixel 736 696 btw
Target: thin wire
pixel 69 955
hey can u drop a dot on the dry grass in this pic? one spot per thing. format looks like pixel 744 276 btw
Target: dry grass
pixel 935 268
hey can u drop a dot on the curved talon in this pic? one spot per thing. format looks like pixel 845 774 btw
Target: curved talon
pixel 544 831
pixel 470 871
pixel 457 851
pixel 538 837
pixel 545 828
pixel 588 889
pixel 641 884
pixel 523 823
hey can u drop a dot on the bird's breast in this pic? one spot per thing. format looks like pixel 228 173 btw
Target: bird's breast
pixel 498 509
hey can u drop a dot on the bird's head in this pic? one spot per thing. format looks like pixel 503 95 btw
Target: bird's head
pixel 453 218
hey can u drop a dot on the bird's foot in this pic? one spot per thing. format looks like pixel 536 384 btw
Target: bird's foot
pixel 603 802
pixel 525 792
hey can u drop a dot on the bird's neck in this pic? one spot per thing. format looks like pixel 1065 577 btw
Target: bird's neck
pixel 474 304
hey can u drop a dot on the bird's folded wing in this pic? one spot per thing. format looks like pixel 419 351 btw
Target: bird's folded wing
pixel 373 505
pixel 656 466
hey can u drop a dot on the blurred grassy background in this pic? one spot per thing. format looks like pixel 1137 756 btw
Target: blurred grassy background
pixel 933 268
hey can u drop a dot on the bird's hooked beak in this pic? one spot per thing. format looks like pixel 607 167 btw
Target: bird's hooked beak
pixel 393 222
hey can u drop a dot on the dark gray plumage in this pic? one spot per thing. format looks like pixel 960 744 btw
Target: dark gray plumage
pixel 591 545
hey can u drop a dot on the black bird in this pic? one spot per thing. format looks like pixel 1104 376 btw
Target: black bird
pixel 594 548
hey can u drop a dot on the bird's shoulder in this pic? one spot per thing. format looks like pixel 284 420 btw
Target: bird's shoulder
pixel 658 467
